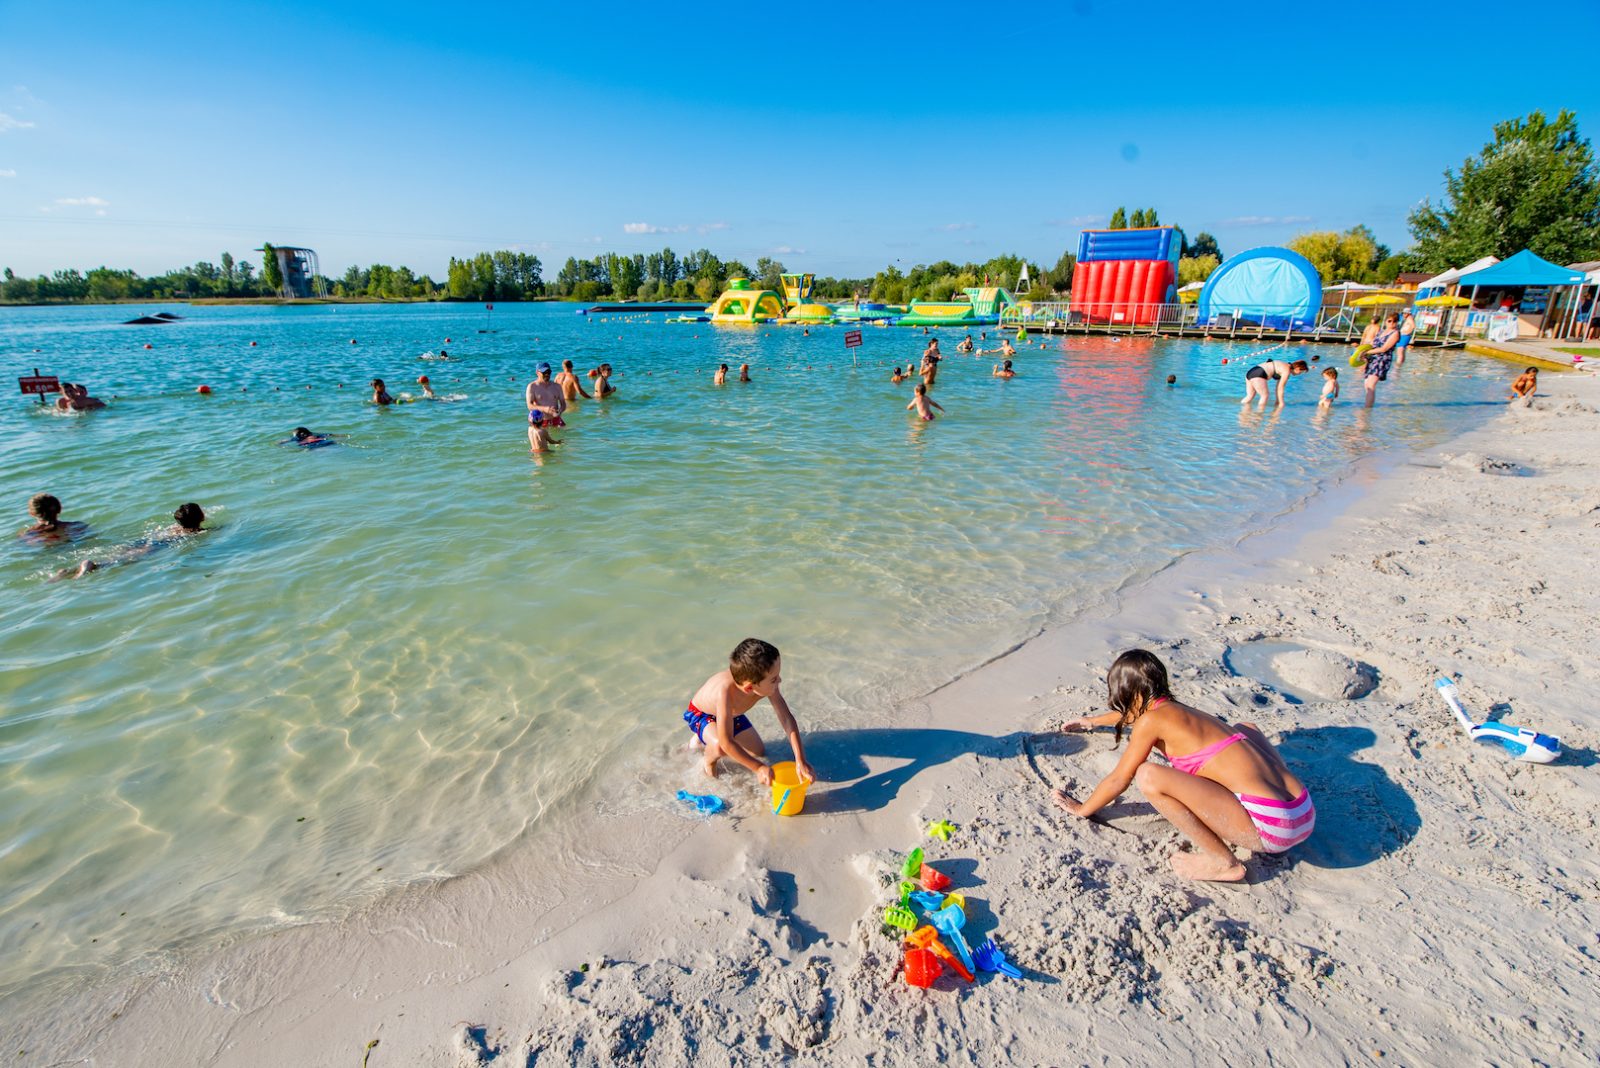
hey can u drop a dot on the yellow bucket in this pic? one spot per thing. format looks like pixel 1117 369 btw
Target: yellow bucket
pixel 788 792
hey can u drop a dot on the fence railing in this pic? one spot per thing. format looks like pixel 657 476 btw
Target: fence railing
pixel 1330 322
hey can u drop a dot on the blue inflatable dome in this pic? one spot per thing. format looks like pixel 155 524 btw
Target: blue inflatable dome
pixel 1275 287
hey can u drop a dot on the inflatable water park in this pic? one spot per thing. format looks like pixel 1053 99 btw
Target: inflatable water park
pixel 744 303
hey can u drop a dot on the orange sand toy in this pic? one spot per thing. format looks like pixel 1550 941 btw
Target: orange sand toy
pixel 927 938
pixel 922 968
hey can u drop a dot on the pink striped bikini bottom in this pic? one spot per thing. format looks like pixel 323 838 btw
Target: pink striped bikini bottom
pixel 1282 824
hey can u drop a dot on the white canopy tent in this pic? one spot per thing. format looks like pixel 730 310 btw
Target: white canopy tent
pixel 1448 278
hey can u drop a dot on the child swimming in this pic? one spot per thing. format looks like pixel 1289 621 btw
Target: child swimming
pixel 753 672
pixel 380 395
pixel 187 522
pixel 427 388
pixel 923 403
pixel 1004 370
pixel 898 377
pixel 50 527
pixel 1227 786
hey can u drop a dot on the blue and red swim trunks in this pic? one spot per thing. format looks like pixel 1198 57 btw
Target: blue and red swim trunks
pixel 538 418
pixel 697 721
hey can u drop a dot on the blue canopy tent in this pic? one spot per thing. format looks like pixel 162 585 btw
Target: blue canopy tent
pixel 1523 269
pixel 1275 287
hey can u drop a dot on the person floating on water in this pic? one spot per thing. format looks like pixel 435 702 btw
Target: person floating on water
pixel 571 388
pixel 188 519
pixel 1227 786
pixel 380 394
pixel 49 527
pixel 307 439
pixel 753 672
pixel 1003 370
pixel 1256 379
pixel 721 377
pixel 923 403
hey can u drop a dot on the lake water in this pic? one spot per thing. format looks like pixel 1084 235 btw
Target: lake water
pixel 390 658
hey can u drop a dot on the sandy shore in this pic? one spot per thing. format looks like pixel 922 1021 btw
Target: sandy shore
pixel 1445 911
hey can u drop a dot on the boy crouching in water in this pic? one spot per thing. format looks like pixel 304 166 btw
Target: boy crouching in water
pixel 719 708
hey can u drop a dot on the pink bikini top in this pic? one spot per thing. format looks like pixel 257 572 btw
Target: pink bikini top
pixel 1191 764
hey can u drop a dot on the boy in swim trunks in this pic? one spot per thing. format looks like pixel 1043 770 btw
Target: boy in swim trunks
pixel 716 713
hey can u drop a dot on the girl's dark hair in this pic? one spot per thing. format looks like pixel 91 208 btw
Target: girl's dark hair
pixel 1137 680
pixel 189 516
pixel 1300 365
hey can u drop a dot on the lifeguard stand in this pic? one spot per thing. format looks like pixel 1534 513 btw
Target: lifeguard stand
pixel 797 288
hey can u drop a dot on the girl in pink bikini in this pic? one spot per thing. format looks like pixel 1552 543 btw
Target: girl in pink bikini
pixel 1226 787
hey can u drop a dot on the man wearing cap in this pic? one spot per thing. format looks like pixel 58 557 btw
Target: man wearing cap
pixel 546 402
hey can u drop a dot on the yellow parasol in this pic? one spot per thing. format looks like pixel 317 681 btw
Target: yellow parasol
pixel 1443 301
pixel 1378 300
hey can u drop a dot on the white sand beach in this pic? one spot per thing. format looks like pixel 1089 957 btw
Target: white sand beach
pixel 1445 910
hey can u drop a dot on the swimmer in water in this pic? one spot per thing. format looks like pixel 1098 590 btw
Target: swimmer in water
pixel 744 372
pixel 75 398
pixel 49 527
pixel 188 519
pixel 1004 370
pixel 602 383
pixel 427 388
pixel 306 439
pixel 966 347
pixel 380 395
pixel 897 377
pixel 571 388
pixel 923 403
pixel 721 377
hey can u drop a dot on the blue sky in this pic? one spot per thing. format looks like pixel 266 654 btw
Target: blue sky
pixel 836 139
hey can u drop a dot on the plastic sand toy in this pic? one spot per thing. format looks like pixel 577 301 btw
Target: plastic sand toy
pixel 913 865
pixel 705 804
pixel 941 830
pixel 991 958
pixel 904 918
pixel 933 878
pixel 928 938
pixel 922 968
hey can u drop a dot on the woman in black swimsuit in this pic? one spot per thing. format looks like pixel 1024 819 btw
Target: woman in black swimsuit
pixel 1279 371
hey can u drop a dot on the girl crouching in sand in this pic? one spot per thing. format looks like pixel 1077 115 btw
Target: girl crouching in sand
pixel 1226 786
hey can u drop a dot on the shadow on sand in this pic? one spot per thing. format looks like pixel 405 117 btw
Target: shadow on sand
pixel 1362 814
pixel 863 770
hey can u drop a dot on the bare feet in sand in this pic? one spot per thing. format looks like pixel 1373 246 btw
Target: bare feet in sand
pixel 1207 867
pixel 710 767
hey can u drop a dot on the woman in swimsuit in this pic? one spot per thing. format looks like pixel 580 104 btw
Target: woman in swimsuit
pixel 1380 359
pixel 1226 787
pixel 1279 371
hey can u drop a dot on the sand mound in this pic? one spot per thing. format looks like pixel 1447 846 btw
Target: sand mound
pixel 1325 674
pixel 1484 465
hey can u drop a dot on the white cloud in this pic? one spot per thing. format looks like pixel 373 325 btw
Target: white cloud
pixel 706 228
pixel 788 250
pixel 651 228
pixel 82 202
pixel 959 226
pixel 8 174
pixel 1076 220
pixel 9 122
pixel 1265 220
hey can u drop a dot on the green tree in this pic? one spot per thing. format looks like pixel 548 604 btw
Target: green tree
pixel 1338 257
pixel 1203 245
pixel 1533 187
pixel 1196 268
pixel 1061 273
pixel 229 281
pixel 271 273
pixel 1119 219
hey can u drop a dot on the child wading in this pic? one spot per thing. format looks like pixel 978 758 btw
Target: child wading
pixel 1227 786
pixel 720 704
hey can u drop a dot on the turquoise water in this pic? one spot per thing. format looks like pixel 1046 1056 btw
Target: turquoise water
pixel 390 658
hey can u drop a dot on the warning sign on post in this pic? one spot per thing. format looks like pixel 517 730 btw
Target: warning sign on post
pixel 40 384
pixel 852 339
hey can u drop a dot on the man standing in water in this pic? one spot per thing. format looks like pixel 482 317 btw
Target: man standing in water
pixel 571 390
pixel 546 402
